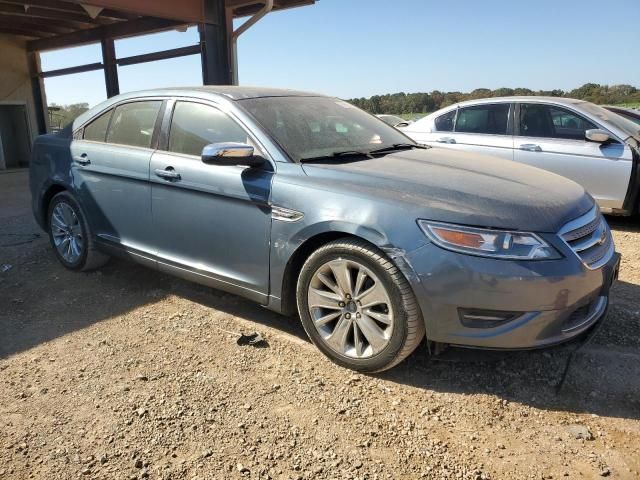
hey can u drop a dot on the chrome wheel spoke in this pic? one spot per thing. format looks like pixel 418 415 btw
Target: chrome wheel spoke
pixel 358 341
pixel 379 316
pixel 323 299
pixel 57 221
pixel 342 275
pixel 328 318
pixel 375 295
pixel 372 333
pixel 333 286
pixel 62 246
pixel 360 279
pixel 338 338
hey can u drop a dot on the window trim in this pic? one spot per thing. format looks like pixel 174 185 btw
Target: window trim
pixel 516 132
pixel 510 117
pixel 167 120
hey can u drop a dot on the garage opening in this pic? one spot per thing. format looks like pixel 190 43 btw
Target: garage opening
pixel 15 139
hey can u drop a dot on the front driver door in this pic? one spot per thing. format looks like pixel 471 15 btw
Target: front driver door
pixel 212 224
pixel 553 138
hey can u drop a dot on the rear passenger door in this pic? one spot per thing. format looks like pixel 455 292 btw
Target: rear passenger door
pixel 111 173
pixel 484 128
pixel 553 138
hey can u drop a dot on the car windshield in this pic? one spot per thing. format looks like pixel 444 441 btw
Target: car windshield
pixel 315 127
pixel 626 125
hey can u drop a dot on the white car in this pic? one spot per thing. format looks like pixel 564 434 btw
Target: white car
pixel 573 138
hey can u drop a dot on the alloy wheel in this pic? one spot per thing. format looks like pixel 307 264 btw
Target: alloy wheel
pixel 350 308
pixel 67 232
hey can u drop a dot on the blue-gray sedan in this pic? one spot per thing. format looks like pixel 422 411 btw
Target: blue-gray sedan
pixel 308 205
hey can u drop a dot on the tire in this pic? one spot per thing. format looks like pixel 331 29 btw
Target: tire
pixel 68 226
pixel 382 306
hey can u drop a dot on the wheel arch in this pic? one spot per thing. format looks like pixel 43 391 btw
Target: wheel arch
pixel 50 192
pixel 311 244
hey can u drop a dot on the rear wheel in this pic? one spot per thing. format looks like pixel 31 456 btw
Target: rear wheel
pixel 357 307
pixel 70 235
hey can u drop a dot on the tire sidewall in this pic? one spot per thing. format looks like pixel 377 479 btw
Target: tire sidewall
pixel 399 332
pixel 65 197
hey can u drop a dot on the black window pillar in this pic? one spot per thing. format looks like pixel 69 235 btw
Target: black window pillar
pixel 214 44
pixel 110 67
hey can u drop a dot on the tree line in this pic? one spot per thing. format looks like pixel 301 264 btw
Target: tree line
pixel 421 102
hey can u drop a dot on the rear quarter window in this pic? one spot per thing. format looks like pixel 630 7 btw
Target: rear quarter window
pixel 96 131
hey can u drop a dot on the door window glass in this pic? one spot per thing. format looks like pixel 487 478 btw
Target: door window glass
pixel 96 131
pixel 487 119
pixel 552 122
pixel 444 123
pixel 194 126
pixel 133 123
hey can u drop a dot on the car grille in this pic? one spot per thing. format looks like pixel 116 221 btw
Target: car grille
pixel 590 238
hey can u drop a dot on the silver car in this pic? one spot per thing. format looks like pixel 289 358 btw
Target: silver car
pixel 575 139
pixel 310 206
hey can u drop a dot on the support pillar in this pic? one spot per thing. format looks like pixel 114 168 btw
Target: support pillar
pixel 214 44
pixel 110 67
pixel 37 89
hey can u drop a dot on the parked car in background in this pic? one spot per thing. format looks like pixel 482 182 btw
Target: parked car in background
pixel 628 113
pixel 394 120
pixel 306 204
pixel 575 139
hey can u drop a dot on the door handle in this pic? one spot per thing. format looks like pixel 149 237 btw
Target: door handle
pixel 168 173
pixel 82 159
pixel 446 140
pixel 531 147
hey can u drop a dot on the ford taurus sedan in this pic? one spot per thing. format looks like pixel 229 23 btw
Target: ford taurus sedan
pixel 573 138
pixel 310 206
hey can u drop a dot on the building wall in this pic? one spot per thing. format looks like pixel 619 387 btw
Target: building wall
pixel 15 82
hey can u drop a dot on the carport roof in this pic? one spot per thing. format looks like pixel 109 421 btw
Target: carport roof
pixel 54 24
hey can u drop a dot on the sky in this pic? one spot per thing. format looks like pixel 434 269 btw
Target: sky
pixel 359 48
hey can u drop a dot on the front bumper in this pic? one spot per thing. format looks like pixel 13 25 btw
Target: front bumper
pixel 553 300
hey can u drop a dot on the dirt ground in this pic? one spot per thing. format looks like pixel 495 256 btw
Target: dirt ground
pixel 128 373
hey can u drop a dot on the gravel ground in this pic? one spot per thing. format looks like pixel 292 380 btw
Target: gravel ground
pixel 127 373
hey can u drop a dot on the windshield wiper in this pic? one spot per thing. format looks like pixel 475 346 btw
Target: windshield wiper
pixel 399 146
pixel 330 156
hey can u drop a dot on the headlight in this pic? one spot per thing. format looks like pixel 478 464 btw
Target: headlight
pixel 487 242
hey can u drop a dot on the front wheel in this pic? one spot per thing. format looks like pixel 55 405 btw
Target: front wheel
pixel 357 307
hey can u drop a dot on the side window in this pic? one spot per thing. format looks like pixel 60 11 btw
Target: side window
pixel 488 119
pixel 96 131
pixel 444 123
pixel 133 123
pixel 194 126
pixel 552 122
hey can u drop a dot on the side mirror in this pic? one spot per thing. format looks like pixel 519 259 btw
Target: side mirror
pixel 597 135
pixel 230 153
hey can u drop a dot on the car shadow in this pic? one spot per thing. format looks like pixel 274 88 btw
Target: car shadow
pixel 602 371
pixel 624 224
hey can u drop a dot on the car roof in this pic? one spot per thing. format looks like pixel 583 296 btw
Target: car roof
pixel 230 91
pixel 210 92
pixel 522 98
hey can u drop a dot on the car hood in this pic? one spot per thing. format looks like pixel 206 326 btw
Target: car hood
pixel 464 188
